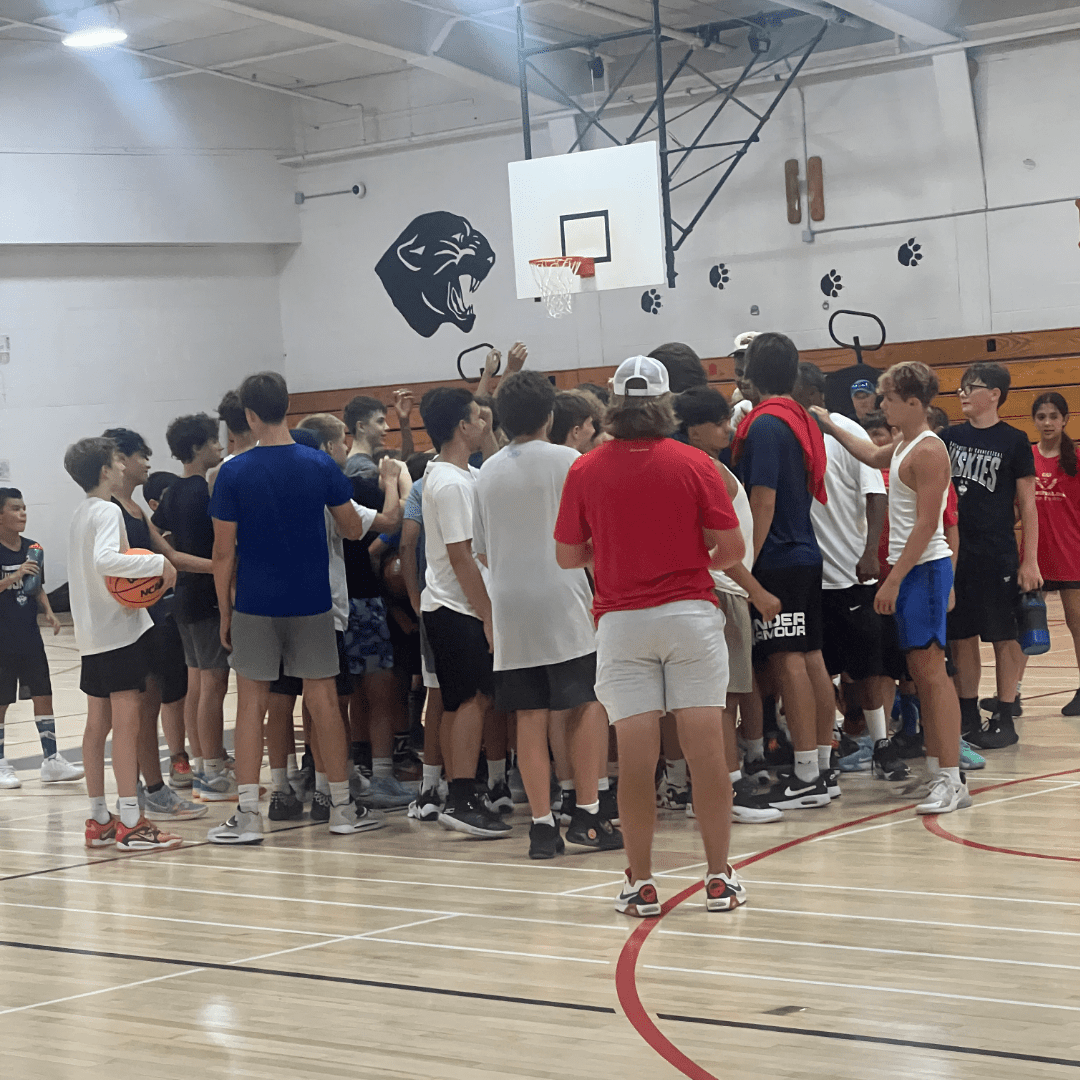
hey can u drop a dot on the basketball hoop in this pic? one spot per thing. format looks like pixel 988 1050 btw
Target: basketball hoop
pixel 558 278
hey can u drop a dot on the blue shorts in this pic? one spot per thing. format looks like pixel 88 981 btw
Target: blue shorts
pixel 922 603
pixel 367 638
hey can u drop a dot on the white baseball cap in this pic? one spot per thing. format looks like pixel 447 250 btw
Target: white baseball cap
pixel 641 367
pixel 742 342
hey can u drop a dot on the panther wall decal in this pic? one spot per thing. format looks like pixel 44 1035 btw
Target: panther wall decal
pixel 429 268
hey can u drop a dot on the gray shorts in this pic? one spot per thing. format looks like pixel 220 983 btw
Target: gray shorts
pixel 661 659
pixel 739 636
pixel 202 645
pixel 304 646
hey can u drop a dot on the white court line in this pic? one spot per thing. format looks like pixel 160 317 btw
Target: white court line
pixel 103 990
pixel 739 938
pixel 493 952
pixel 921 893
pixel 917 922
pixel 586 888
pixel 863 986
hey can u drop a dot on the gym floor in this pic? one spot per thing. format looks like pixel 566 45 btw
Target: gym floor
pixel 873 942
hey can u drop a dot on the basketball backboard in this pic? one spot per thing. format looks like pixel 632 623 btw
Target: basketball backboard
pixel 601 203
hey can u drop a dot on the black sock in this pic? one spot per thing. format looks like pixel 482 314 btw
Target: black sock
pixel 152 788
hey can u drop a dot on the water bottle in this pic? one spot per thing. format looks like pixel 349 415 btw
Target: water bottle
pixel 31 584
pixel 1031 614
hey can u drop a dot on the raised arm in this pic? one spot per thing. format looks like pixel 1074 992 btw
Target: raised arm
pixel 869 453
pixel 403 403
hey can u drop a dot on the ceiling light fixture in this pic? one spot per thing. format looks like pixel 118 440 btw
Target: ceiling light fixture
pixel 95 37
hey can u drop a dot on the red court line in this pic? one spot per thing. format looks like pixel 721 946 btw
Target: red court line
pixel 626 968
pixel 933 825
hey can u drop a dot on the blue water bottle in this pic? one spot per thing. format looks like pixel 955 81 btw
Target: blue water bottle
pixel 1034 635
pixel 31 584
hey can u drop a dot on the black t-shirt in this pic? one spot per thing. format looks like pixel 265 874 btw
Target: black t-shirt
pixel 362 580
pixel 19 633
pixel 138 534
pixel 986 464
pixel 184 512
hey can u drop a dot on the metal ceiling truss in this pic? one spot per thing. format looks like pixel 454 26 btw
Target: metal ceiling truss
pixel 764 61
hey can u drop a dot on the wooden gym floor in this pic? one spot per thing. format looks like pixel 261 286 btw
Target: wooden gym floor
pixel 874 943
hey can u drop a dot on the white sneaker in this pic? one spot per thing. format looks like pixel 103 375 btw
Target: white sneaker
pixel 724 891
pixel 8 777
pixel 55 770
pixel 244 827
pixel 351 818
pixel 945 797
pixel 218 787
pixel 165 805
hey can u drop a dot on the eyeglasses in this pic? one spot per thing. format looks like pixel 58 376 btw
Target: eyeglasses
pixel 967 391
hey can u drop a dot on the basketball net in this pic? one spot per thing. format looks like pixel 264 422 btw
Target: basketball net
pixel 558 278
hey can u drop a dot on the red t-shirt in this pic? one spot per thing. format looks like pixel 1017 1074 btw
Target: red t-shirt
pixel 1057 498
pixel 949 517
pixel 644 503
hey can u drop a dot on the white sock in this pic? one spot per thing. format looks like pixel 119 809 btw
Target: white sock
pixel 806 765
pixel 496 772
pixel 824 756
pixel 735 776
pixel 590 808
pixel 755 749
pixel 249 797
pixel 548 819
pixel 99 809
pixel 933 767
pixel 875 723
pixel 339 793
pixel 290 765
pixel 603 784
pixel 432 773
pixel 953 775
pixel 566 785
pixel 279 778
pixel 322 784
pixel 197 765
pixel 214 765
pixel 675 771
pixel 382 767
pixel 129 811
pixel 1019 687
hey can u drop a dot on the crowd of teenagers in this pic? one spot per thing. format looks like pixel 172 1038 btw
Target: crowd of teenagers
pixel 597 602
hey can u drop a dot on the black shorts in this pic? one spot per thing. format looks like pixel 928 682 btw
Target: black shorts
pixel 893 662
pixel 986 600
pixel 550 686
pixel 851 632
pixel 291 686
pixel 31 669
pixel 462 659
pixel 406 644
pixel 798 626
pixel 117 670
pixel 1058 586
pixel 168 665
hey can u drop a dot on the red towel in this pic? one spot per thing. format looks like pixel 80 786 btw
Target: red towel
pixel 804 427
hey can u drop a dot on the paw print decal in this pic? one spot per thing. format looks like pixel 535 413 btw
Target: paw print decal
pixel 910 254
pixel 830 284
pixel 718 276
pixel 650 302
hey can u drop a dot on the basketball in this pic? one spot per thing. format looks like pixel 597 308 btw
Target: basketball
pixel 136 592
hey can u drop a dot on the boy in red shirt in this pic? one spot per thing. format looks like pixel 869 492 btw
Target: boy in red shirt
pixel 660 637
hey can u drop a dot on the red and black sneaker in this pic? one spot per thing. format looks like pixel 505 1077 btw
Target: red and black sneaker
pixel 638 898
pixel 724 891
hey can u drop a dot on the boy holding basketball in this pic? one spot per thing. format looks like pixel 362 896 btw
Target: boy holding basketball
pixel 113 643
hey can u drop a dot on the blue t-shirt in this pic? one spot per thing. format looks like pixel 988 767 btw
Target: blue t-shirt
pixel 414 511
pixel 277 495
pixel 773 458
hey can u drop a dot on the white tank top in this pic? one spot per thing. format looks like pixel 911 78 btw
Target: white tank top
pixel 902 511
pixel 741 505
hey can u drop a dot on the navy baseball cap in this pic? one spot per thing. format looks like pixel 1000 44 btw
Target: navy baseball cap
pixel 863 386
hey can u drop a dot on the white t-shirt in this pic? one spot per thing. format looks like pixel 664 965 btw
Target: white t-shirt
pixel 96 541
pixel 741 506
pixel 448 519
pixel 540 612
pixel 840 526
pixel 339 585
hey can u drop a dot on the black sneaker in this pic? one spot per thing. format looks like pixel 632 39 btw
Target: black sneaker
pixel 320 807
pixel 426 806
pixel 791 793
pixel 990 705
pixel 778 751
pixel 567 807
pixel 609 803
pixel 591 830
pixel 748 807
pixel 473 818
pixel 285 806
pixel 1073 708
pixel 500 799
pixel 888 762
pixel 908 746
pixel 757 771
pixel 848 745
pixel 545 841
pixel 832 781
pixel 998 733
